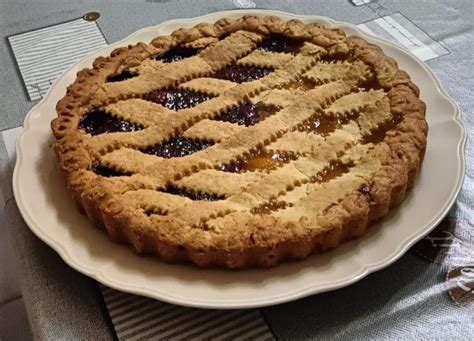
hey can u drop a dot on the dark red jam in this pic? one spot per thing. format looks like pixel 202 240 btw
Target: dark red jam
pixel 177 99
pixel 99 122
pixel 241 74
pixel 178 146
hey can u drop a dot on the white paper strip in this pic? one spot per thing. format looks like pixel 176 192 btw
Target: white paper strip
pixel 407 39
pixel 398 29
pixel 44 54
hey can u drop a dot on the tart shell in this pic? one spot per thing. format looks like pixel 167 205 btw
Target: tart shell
pixel 265 240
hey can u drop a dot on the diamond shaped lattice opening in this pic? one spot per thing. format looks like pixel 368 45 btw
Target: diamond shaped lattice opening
pixel 176 53
pixel 178 146
pixel 98 122
pixel 247 113
pixel 177 99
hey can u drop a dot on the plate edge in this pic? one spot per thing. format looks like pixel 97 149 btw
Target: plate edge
pixel 366 269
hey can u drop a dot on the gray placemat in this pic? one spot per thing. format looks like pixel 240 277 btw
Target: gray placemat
pixel 426 294
pixel 61 303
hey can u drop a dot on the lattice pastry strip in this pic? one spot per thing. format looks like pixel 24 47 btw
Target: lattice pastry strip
pixel 312 204
pixel 265 59
pixel 151 170
pixel 211 59
pixel 367 160
pixel 160 167
pixel 355 101
pixel 147 66
pixel 305 143
pixel 315 146
pixel 144 199
pixel 294 142
pixel 163 171
pixel 223 183
pixel 212 86
pixel 213 130
pixel 327 72
pixel 254 136
pixel 236 94
pixel 347 104
pixel 139 111
pixel 286 177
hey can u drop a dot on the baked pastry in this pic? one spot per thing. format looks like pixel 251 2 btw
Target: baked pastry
pixel 241 143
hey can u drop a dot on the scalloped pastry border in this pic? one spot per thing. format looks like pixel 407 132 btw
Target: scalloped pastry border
pixel 294 240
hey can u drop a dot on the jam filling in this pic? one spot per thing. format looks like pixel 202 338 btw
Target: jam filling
pixel 300 83
pixel 241 74
pixel 177 99
pixel 125 74
pixel 192 194
pixel 280 43
pixel 260 160
pixel 247 114
pixel 178 146
pixel 99 122
pixel 105 171
pixel 324 125
pixel 176 53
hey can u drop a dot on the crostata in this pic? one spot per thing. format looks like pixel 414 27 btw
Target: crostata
pixel 240 143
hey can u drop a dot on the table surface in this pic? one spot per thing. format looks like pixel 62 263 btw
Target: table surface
pixel 415 297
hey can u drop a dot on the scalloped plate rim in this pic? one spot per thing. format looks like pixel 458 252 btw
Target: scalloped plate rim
pixel 365 269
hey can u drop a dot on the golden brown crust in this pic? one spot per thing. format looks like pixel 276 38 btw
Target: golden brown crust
pixel 317 214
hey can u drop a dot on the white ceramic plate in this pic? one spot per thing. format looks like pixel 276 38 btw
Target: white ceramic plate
pixel 51 214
